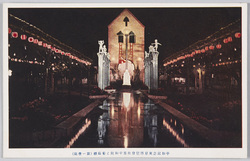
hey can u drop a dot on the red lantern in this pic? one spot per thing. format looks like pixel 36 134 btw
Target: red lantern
pixel 218 46
pixel 206 48
pixel 9 30
pixel 53 49
pixel 229 39
pixel 225 41
pixel 30 39
pixel 23 37
pixel 237 35
pixel 40 43
pixel 211 47
pixel 14 34
pixel 45 45
pixel 62 53
pixel 203 50
pixel 35 41
pixel 49 46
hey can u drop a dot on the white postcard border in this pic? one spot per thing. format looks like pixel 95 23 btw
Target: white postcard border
pixel 173 152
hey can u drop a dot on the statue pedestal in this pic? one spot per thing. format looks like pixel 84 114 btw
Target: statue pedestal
pixel 126 78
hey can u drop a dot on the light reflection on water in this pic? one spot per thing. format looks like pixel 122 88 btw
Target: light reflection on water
pixel 175 133
pixel 125 141
pixel 124 126
pixel 79 133
pixel 131 121
pixel 126 100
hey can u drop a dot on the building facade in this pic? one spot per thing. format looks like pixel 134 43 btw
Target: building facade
pixel 126 35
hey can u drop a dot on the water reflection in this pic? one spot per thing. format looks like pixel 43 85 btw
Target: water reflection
pixel 125 129
pixel 175 133
pixel 150 121
pixel 130 120
pixel 125 141
pixel 103 122
pixel 182 129
pixel 112 110
pixel 80 132
pixel 138 111
pixel 126 99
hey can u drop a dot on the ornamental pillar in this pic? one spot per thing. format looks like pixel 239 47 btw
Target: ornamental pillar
pixel 103 66
pixel 100 70
pixel 147 62
pixel 155 70
pixel 151 66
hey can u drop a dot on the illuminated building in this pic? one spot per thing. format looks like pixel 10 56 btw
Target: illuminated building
pixel 126 25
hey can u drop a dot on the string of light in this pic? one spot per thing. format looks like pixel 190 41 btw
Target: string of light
pixel 33 40
pixel 25 61
pixel 204 50
pixel 226 63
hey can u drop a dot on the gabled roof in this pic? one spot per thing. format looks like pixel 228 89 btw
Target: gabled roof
pixel 126 10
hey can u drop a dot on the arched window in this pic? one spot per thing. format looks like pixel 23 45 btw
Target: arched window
pixel 131 37
pixel 120 37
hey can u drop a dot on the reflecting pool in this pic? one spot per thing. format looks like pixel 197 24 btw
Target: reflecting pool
pixel 128 119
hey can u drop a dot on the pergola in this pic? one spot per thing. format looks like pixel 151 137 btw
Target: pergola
pixel 40 63
pixel 214 60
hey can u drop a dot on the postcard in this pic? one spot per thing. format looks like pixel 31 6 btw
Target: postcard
pixel 125 80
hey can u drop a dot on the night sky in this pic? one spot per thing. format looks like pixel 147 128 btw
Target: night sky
pixel 175 28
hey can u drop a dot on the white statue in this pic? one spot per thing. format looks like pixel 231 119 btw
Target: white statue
pixel 146 54
pixel 156 45
pixel 101 42
pixel 104 49
pixel 151 48
pixel 108 56
pixel 126 78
